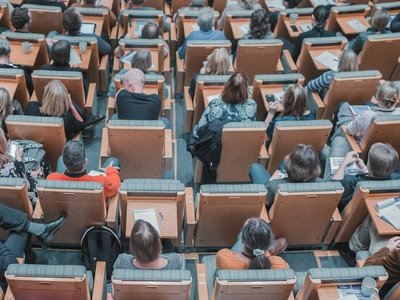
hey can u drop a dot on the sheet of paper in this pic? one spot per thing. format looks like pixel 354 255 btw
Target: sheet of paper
pixel 391 214
pixel 138 28
pixel 359 109
pixel 245 28
pixel 350 292
pixel 328 59
pixel 148 215
pixel 275 4
pixel 212 97
pixel 231 2
pixel 335 163
pixel 126 59
pixel 195 27
pixel 357 25
pixel 74 58
pixel 278 95
pixel 96 173
pixel 305 27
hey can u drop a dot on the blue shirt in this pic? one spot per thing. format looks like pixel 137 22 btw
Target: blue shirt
pixel 201 35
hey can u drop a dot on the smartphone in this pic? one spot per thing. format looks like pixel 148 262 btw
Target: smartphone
pixel 270 98
pixel 294 28
pixel 12 148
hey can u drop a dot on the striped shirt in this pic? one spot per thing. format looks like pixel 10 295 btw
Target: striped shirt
pixel 321 84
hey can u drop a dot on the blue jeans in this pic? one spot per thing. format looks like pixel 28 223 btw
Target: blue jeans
pixel 258 174
pixel 61 168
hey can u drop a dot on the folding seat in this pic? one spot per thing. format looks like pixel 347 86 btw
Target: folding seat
pixel 392 7
pixel 324 282
pixel 351 20
pixel 308 65
pixel 151 284
pixel 238 284
pixel 47 282
pixel 355 211
pixel 83 202
pixel 354 87
pixel 242 145
pixel 73 81
pixel 221 210
pixel 96 15
pixel 288 134
pixel 13 80
pixel 380 52
pixel 166 196
pixel 150 151
pixel 45 18
pixel 48 131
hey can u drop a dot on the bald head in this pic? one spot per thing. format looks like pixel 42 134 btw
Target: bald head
pixel 134 81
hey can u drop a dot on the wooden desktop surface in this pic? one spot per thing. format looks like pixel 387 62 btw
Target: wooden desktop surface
pixel 10 86
pixel 315 52
pixel 166 214
pixel 343 20
pixel 189 25
pixel 85 57
pixel 211 91
pixel 238 33
pixel 302 20
pixel 268 90
pixel 18 57
pixel 383 228
pixel 96 20
pixel 330 293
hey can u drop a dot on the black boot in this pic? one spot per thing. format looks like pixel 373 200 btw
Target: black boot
pixel 51 228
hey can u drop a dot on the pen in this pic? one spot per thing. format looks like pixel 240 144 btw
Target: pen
pixel 161 219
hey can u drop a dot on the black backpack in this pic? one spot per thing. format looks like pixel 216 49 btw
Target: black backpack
pixel 100 243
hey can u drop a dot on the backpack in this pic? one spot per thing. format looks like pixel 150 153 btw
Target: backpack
pixel 100 243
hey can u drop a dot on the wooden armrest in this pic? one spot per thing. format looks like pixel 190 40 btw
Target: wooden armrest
pixel 112 211
pixel 333 227
pixel 351 140
pixel 33 97
pixel 319 104
pixel 202 288
pixel 264 214
pixel 21 260
pixel 190 217
pixel 167 104
pixel 91 98
pixel 172 33
pixel 289 62
pixel 181 73
pixel 360 262
pixel 9 295
pixel 104 146
pixel 166 66
pixel 116 65
pixel 189 111
pixel 110 107
pixel 263 157
pixel 38 212
pixel 280 69
pixel 168 149
pixel 103 72
pixel 100 281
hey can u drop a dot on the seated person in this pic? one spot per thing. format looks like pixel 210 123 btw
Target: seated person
pixel 255 248
pixel 8 107
pixel 60 54
pixel 20 228
pixel 241 5
pixel 218 63
pixel 132 103
pixel 72 21
pixel 347 63
pixel 92 3
pixel 146 248
pixel 273 17
pixel 382 163
pixel 21 19
pixel 319 17
pixel 395 24
pixel 301 165
pixel 293 106
pixel 5 51
pixel 205 21
pixel 71 167
pixel 379 22
pixel 151 31
pixel 233 105
pixel 194 6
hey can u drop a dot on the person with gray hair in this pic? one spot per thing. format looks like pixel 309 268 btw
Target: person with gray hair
pixel 205 33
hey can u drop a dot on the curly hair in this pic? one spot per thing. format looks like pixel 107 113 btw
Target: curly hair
pixel 259 24
pixel 20 17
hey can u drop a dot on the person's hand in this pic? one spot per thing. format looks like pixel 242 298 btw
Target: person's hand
pixel 361 165
pixel 350 157
pixel 273 107
pixel 19 153
pixel 276 175
pixel 394 244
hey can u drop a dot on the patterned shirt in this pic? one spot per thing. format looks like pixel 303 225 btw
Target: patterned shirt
pixel 321 84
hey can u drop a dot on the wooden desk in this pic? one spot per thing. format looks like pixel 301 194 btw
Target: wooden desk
pixel 343 20
pixel 10 86
pixel 209 92
pixel 189 25
pixel 315 52
pixel 118 65
pixel 302 20
pixel 166 213
pixel 17 55
pixel 383 228
pixel 108 3
pixel 238 33
pixel 96 20
pixel 268 91
pixel 330 293
pixel 85 57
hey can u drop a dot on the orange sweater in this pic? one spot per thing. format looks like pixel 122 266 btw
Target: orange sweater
pixel 111 182
pixel 226 259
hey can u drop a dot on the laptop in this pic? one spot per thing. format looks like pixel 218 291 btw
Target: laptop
pixel 88 28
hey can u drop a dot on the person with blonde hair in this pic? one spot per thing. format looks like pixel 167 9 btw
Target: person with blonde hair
pixel 218 63
pixel 347 63
pixel 292 107
pixel 8 107
pixel 241 5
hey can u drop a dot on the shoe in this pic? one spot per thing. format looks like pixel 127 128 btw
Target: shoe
pixel 279 246
pixel 51 228
pixel 93 121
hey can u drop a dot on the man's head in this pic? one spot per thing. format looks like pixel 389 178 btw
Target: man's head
pixel 383 160
pixel 150 30
pixel 72 20
pixel 380 20
pixel 5 49
pixel 20 18
pixel 134 81
pixel 60 53
pixel 74 156
pixel 206 18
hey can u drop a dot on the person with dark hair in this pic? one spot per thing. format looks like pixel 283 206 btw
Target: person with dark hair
pixel 395 24
pixel 151 30
pixel 233 105
pixel 92 3
pixel 20 227
pixel 255 248
pixel 379 22
pixel 292 107
pixel 319 17
pixel 146 248
pixel 273 17
pixel 260 27
pixel 237 6
pixel 300 165
pixel 72 167
pixel 60 55
pixel 21 19
pixel 72 21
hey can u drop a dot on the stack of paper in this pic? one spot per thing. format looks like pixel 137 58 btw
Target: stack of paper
pixel 244 28
pixel 328 59
pixel 357 25
pixel 389 211
pixel 126 59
